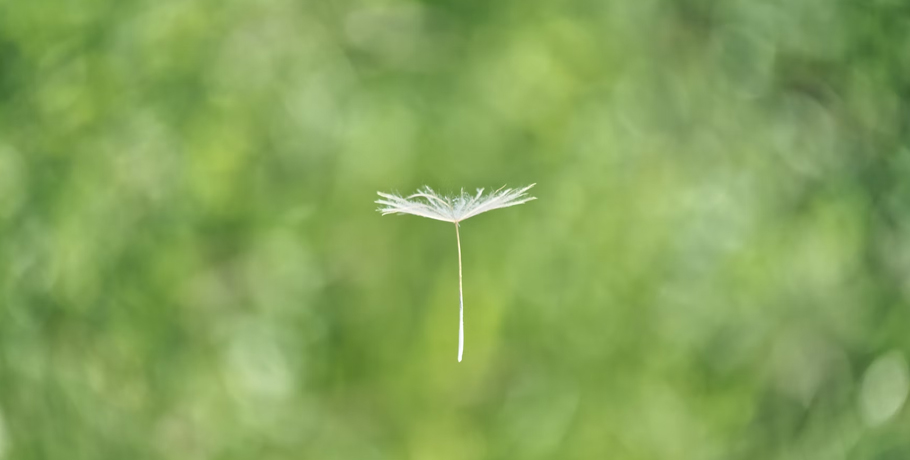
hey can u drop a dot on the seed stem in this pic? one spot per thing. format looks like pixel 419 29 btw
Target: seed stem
pixel 460 299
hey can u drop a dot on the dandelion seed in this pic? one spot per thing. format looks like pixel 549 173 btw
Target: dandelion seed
pixel 427 203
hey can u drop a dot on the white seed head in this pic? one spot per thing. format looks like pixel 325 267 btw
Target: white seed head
pixel 427 203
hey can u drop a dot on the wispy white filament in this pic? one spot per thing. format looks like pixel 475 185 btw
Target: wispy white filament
pixel 427 203
pixel 460 299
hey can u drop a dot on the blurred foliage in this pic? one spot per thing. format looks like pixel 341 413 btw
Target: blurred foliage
pixel 191 265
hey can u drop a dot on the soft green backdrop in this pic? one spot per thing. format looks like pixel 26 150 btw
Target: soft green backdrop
pixel 192 267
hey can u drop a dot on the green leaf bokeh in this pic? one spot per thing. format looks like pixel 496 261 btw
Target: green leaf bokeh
pixel 191 265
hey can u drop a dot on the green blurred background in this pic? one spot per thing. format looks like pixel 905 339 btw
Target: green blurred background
pixel 192 265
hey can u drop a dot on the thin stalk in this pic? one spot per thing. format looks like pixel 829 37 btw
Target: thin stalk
pixel 460 299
